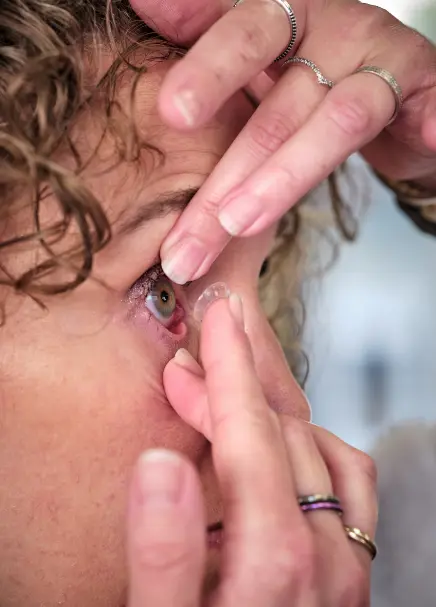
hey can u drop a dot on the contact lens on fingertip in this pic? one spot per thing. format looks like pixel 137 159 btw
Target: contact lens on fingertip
pixel 219 290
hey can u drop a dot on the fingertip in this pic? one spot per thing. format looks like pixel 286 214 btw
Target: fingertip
pixel 179 109
pixel 224 341
pixel 237 310
pixel 183 358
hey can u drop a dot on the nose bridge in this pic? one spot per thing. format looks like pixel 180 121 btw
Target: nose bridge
pixel 282 391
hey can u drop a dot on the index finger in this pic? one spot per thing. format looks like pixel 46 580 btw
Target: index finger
pixel 181 21
pixel 263 522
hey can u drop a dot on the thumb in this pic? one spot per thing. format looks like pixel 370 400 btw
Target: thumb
pixel 166 532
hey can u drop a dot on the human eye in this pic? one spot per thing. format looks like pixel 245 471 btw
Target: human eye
pixel 155 296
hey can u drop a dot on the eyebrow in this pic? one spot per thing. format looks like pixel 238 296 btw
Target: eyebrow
pixel 163 205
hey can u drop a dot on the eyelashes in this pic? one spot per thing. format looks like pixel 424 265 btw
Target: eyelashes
pixel 154 295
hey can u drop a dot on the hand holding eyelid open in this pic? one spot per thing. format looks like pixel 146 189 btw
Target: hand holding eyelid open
pixel 301 131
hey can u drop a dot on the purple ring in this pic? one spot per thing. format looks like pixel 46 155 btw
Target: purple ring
pixel 322 506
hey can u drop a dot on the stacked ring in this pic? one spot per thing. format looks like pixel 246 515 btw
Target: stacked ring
pixel 356 535
pixel 319 501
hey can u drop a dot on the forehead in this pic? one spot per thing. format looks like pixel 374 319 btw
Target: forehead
pixel 163 155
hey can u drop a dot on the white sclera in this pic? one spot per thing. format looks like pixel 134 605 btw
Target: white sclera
pixel 219 290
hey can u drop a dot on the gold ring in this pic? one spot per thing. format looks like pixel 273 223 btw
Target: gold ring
pixel 390 81
pixel 356 535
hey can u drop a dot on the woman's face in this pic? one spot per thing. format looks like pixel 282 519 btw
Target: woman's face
pixel 81 383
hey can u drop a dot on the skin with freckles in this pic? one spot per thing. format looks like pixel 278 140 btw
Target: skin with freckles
pixel 82 382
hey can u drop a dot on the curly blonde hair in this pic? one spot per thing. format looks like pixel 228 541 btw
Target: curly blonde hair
pixel 44 86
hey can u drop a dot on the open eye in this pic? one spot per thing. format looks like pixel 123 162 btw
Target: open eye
pixel 161 300
pixel 153 296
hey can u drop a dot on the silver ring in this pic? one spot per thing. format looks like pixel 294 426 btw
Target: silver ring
pixel 321 79
pixel 390 81
pixel 293 22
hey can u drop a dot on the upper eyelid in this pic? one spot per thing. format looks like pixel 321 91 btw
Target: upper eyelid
pixel 143 284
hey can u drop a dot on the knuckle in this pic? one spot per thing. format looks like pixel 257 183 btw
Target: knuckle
pixel 206 222
pixel 270 132
pixel 371 17
pixel 419 43
pixel 209 207
pixel 355 19
pixel 294 560
pixel 295 430
pixel 350 114
pixel 254 42
pixel 289 179
pixel 353 587
pixel 159 554
pixel 379 17
pixel 367 467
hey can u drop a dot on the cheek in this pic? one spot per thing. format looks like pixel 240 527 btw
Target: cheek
pixel 80 415
pixel 75 416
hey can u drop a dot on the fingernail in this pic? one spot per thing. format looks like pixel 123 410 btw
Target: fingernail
pixel 218 290
pixel 184 359
pixel 160 477
pixel 239 214
pixel 183 260
pixel 237 310
pixel 188 106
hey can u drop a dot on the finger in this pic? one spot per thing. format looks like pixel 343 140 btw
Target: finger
pixel 166 532
pixel 354 478
pixel 255 33
pixel 353 113
pixel 339 574
pixel 312 477
pixel 185 388
pixel 265 531
pixel 271 126
pixel 198 237
pixel 181 21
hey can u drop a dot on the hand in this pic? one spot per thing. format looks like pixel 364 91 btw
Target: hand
pixel 301 131
pixel 273 554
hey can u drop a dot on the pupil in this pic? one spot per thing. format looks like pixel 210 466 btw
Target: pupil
pixel 165 297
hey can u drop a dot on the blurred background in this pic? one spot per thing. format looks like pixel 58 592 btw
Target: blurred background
pixel 371 337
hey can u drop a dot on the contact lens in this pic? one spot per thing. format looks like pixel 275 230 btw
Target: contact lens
pixel 219 290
